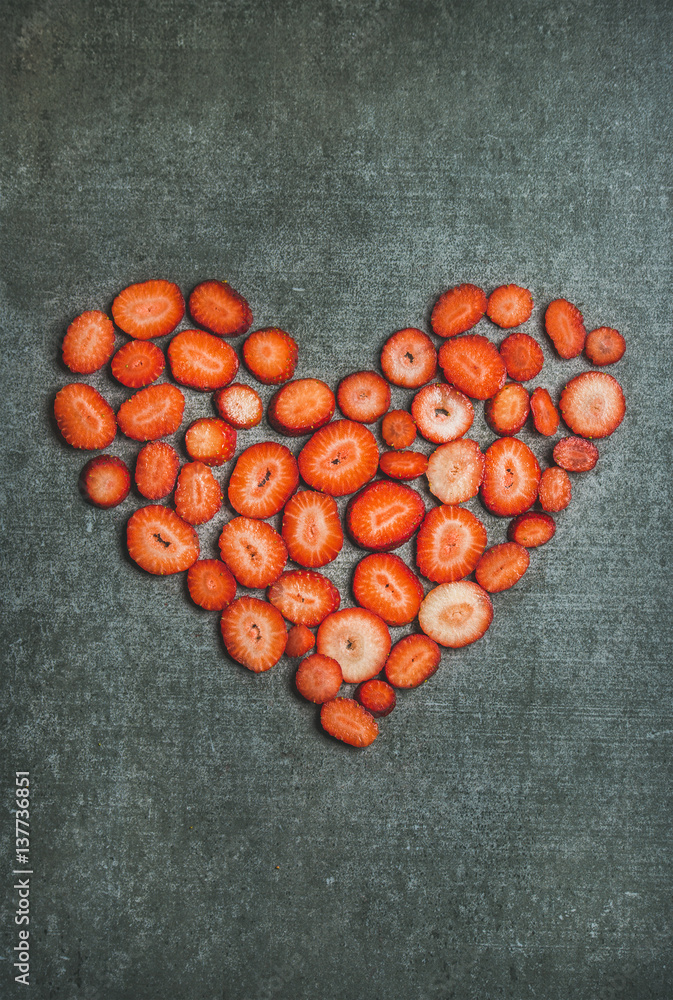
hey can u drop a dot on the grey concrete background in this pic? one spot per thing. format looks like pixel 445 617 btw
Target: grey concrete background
pixel 194 833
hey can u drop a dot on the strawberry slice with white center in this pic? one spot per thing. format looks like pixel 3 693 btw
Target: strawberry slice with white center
pixel 89 342
pixel 363 396
pixel 201 361
pixel 211 585
pixel 84 418
pixel 456 614
pixel 254 633
pixel 409 358
pixel 312 529
pixel 156 470
pixel 105 481
pixel 455 471
pixel 592 404
pixel 382 583
pixel 149 309
pixel 384 515
pixel 441 413
pixel 339 458
pixel 254 552
pixel 198 495
pixel 264 478
pixel 449 544
pixel 160 542
pixel 511 477
pixel 304 597
pixel 358 640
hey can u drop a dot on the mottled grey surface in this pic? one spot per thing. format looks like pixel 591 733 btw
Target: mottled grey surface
pixel 195 835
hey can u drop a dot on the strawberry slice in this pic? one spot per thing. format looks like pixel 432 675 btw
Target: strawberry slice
pixel 385 585
pixel 149 309
pixel 575 454
pixel 455 471
pixel 403 464
pixel 105 481
pixel 412 661
pixel 522 355
pixel 508 410
pixel 377 697
pixel 531 529
pixel 456 614
pixel 346 720
pixel 202 361
pixel 211 441
pixel 358 640
pixel 264 478
pixel 270 355
pixel 160 542
pixel 564 323
pixel 198 495
pixel 138 363
pixel 301 406
pixel 254 633
pixel 473 365
pixel 318 678
pixel 604 346
pixel 151 413
pixel 220 308
pixel 312 529
pixel 449 544
pixel 511 477
pixel 89 342
pixel 545 414
pixel 458 310
pixel 441 413
pixel 304 597
pixel 555 490
pixel 409 358
pixel 254 552
pixel 240 405
pixel 592 404
pixel 83 417
pixel 509 305
pixel 384 515
pixel 339 458
pixel 363 396
pixel 300 640
pixel 398 429
pixel 210 584
pixel 156 470
pixel 502 566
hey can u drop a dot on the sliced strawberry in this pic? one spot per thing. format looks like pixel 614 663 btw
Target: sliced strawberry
pixel 346 720
pixel 201 361
pixel 83 417
pixel 403 464
pixel 441 413
pixel 555 490
pixel 398 429
pixel 160 542
pixel 138 363
pixel 502 566
pixel 545 414
pixel 472 364
pixel 318 678
pixel 211 441
pixel 157 467
pixel 198 495
pixel 152 413
pixel 508 410
pixel 456 614
pixel 270 355
pixel 455 471
pixel 382 583
pixel 575 454
pixel 604 346
pixel 522 355
pixel 384 515
pixel 358 640
pixel 304 597
pixel 312 529
pixel 377 697
pixel 449 544
pixel 105 481
pixel 458 310
pixel 564 324
pixel 149 309
pixel 254 633
pixel 339 458
pixel 409 358
pixel 210 584
pixel 220 308
pixel 301 407
pixel 412 660
pixel 300 641
pixel 254 552
pixel 363 396
pixel 509 305
pixel 264 478
pixel 89 342
pixel 240 405
pixel 592 404
pixel 511 477
pixel 531 529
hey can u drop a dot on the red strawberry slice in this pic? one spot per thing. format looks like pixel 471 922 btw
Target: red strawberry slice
pixel 456 614
pixel 318 678
pixel 160 542
pixel 339 458
pixel 264 478
pixel 105 481
pixel 575 454
pixel 545 414
pixel 301 407
pixel 270 355
pixel 509 305
pixel 592 404
pixel 198 495
pixel 89 342
pixel 83 417
pixel 508 410
pixel 473 365
pixel 304 597
pixel 210 584
pixel 412 661
pixel 555 490
pixel 151 413
pixel 511 477
pixel 240 405
pixel 501 567
pixel 455 471
pixel 398 429
pixel 201 361
pixel 564 324
pixel 211 441
pixel 377 697
pixel 254 633
pixel 522 355
pixel 363 396
pixel 346 720
pixel 254 552
pixel 604 346
pixel 449 544
pixel 358 640
pixel 157 467
pixel 403 464
pixel 149 309
pixel 138 363
pixel 312 529
pixel 384 515
pixel 220 308
pixel 300 640
pixel 385 585
pixel 531 529
pixel 458 310
pixel 409 358
pixel 441 413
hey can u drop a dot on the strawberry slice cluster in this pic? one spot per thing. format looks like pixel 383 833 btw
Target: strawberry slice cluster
pixel 447 593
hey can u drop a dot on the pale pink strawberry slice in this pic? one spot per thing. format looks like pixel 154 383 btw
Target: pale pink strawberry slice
pixel 441 413
pixel 358 640
pixel 592 404
pixel 456 614
pixel 455 471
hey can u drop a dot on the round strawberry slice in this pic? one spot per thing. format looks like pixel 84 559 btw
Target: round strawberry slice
pixel 304 597
pixel 211 441
pixel 300 641
pixel 254 633
pixel 201 361
pixel 345 719
pixel 318 678
pixel 363 396
pixel 270 355
pixel 253 550
pixel 264 478
pixel 220 308
pixel 385 585
pixel 511 477
pixel 531 529
pixel 501 567
pixel 83 417
pixel 312 529
pixel 456 614
pixel 339 458
pixel 509 305
pixel 449 544
pixel 156 470
pixel 384 515
pixel 545 414
pixel 455 471
pixel 409 358
pixel 358 640
pixel 508 410
pixel 575 454
pixel 89 342
pixel 564 323
pixel 149 309
pixel 412 661
pixel 472 364
pixel 138 363
pixel 240 405
pixel 555 490
pixel 210 584
pixel 105 481
pixel 152 413
pixel 398 429
pixel 592 404
pixel 403 464
pixel 458 310
pixel 604 346
pixel 301 407
pixel 198 495
pixel 377 697
pixel 160 542
pixel 441 413
pixel 522 355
